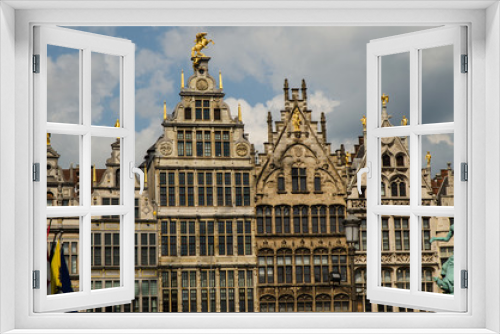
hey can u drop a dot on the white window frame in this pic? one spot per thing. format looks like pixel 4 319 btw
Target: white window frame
pixel 413 44
pixel 86 44
pixel 483 20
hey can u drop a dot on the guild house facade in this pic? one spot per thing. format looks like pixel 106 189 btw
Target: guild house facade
pixel 222 229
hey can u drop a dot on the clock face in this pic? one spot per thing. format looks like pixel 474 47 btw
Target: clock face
pixel 201 84
pixel 242 150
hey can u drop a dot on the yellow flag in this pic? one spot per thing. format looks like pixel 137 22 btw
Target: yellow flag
pixel 55 269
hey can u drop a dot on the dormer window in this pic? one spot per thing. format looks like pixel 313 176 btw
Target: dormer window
pixel 202 109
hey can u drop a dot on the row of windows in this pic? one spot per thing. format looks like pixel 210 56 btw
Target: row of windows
pixel 299 181
pixel 202 140
pixel 202 111
pixel 300 267
pixel 185 192
pixel 105 249
pixel 387 161
pixel 305 303
pixel 210 238
pixel 230 290
pixel 398 278
pixel 303 219
pixel 397 189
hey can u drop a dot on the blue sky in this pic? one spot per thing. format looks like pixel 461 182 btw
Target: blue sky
pixel 254 62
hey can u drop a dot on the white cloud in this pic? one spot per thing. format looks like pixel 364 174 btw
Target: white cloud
pixel 436 139
pixel 320 103
pixel 145 138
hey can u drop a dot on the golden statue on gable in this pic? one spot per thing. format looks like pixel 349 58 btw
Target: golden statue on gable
pixel 200 43
pixel 296 120
pixel 385 99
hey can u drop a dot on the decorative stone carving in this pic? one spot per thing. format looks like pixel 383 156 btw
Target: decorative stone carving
pixel 241 149
pixel 201 84
pixel 165 149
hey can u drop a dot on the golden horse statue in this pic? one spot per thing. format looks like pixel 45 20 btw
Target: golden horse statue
pixel 200 43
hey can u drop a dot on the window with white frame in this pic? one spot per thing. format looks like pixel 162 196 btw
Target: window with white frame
pixel 441 248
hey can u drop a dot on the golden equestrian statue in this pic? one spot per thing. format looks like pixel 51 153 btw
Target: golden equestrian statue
pixel 200 43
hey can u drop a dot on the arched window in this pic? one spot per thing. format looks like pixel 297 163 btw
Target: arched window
pixel 266 266
pixel 260 220
pixel 403 278
pixel 281 184
pixel 400 160
pixel 318 219
pixel 304 303
pixel 394 189
pixel 286 303
pixel 282 219
pixel 386 160
pixel 341 303
pixel 303 266
pixel 264 219
pixel 320 262
pixel 267 304
pixel 317 183
pixel 337 214
pixel 323 303
pixel 339 263
pixel 402 189
pixel 382 189
pixel 284 265
pixel 427 282
pixel 301 219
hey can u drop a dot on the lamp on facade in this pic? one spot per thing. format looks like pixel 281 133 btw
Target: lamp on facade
pixel 351 228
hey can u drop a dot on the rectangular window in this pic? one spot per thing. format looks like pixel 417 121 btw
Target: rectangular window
pixel 168 238
pixel 299 180
pixel 217 114
pixel 243 231
pixel 187 113
pixel 225 237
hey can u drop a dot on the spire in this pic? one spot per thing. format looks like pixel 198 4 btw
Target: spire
pixel 145 174
pixel 323 126
pixel 182 78
pixel 48 139
pixel 239 113
pixel 164 110
pixel 269 127
pixel 285 88
pixel 94 176
pixel 304 90
pixel 220 80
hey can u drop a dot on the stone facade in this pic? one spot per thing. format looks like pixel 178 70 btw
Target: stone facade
pixel 220 229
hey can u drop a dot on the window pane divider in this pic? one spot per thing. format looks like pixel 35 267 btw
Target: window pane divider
pixel 423 129
pixel 76 129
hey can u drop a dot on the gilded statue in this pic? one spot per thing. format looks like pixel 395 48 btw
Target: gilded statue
pixel 200 43
pixel 428 157
pixel 347 156
pixel 385 99
pixel 404 121
pixel 363 121
pixel 296 120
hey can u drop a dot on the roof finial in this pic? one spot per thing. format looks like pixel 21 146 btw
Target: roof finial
pixel 48 139
pixel 164 110
pixel 239 113
pixel 94 176
pixel 145 173
pixel 117 123
pixel 182 78
pixel 220 80
pixel 404 121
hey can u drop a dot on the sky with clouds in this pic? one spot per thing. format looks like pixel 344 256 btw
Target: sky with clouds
pixel 254 62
